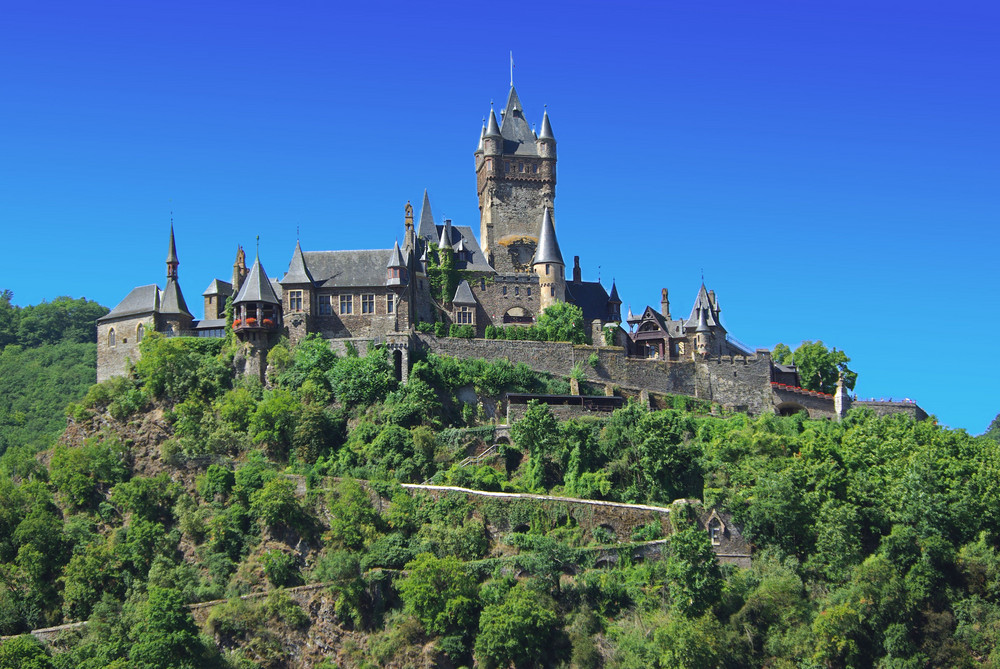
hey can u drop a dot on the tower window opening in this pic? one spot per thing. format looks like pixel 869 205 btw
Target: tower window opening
pixel 534 169
pixel 295 300
pixel 111 337
pixel 552 291
pixel 517 290
pixel 520 167
pixel 548 268
pixel 505 290
pixel 528 289
pixel 389 303
pixel 482 284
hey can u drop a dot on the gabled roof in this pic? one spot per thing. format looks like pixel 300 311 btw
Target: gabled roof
pixel 426 228
pixel 463 294
pixel 298 271
pixel 652 314
pixel 257 287
pixel 141 300
pixel 548 248
pixel 172 300
pixel 517 135
pixel 218 287
pixel 702 306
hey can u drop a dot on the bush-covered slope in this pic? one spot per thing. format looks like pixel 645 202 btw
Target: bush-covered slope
pixel 876 540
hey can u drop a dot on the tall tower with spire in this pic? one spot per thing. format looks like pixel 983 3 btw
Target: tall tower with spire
pixel 516 181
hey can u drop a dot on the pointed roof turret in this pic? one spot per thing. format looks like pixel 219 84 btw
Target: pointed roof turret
pixel 632 319
pixel 172 300
pixel 172 252
pixel 482 136
pixel 463 294
pixel 426 228
pixel 396 258
pixel 514 128
pixel 546 132
pixel 492 130
pixel 548 248
pixel 613 298
pixel 703 312
pixel 298 271
pixel 257 287
pixel 445 241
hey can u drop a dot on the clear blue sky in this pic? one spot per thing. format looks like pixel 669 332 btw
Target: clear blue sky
pixel 832 167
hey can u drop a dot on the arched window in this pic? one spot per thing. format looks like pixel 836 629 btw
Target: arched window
pixel 139 329
pixel 111 337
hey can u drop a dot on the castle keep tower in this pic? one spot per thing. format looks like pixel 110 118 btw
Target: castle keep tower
pixel 516 181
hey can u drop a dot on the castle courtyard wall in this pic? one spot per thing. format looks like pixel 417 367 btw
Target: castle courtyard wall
pixel 114 360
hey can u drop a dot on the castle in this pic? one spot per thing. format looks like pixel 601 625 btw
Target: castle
pixel 442 273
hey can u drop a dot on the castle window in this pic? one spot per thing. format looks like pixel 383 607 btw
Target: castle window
pixel 528 289
pixel 534 169
pixel 489 163
pixel 506 166
pixel 517 290
pixel 548 268
pixel 325 305
pixel 395 273
pixel 295 300
pixel 520 167
pixel 111 337
pixel 552 291
pixel 715 531
pixel 390 303
pixel 346 304
pixel 368 304
pixel 138 333
pixel 482 284
pixel 505 290
pixel 464 316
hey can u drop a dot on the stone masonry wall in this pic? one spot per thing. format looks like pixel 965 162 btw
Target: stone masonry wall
pixel 735 382
pixel 112 360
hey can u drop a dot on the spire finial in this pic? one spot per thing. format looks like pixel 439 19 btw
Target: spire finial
pixel 296 233
pixel 512 69
pixel 258 246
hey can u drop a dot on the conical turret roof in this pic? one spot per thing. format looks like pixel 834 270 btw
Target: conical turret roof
pixel 463 294
pixel 426 228
pixel 257 287
pixel 298 271
pixel 172 300
pixel 614 294
pixel 702 311
pixel 492 130
pixel 546 132
pixel 445 241
pixel 396 258
pixel 172 252
pixel 548 247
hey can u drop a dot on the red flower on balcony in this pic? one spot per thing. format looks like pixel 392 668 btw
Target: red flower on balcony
pixel 268 323
pixel 237 323
pixel 251 322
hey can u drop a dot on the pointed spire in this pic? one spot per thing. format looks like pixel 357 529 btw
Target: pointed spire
pixel 172 261
pixel 548 248
pixel 482 139
pixel 426 228
pixel 298 271
pixel 445 241
pixel 463 294
pixel 493 129
pixel 257 287
pixel 614 294
pixel 546 132
pixel 396 258
pixel 702 311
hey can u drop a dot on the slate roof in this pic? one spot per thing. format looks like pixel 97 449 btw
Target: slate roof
pixel 426 228
pixel 209 324
pixel 141 300
pixel 517 136
pixel 591 297
pixel 546 132
pixel 257 287
pixel 298 271
pixel 702 304
pixel 172 253
pixel 218 287
pixel 172 300
pixel 614 294
pixel 463 294
pixel 476 260
pixel 548 248
pixel 396 258
pixel 348 268
pixel 493 129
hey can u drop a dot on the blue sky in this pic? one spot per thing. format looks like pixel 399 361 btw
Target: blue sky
pixel 831 167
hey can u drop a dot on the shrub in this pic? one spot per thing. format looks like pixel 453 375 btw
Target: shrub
pixel 280 569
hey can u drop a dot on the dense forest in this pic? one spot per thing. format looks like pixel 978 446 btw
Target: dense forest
pixel 875 539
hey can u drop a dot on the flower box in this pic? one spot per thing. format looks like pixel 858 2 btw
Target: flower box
pixel 251 322
pixel 268 323
pixel 237 323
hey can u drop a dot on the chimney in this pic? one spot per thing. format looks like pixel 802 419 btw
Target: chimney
pixel 576 269
pixel 664 304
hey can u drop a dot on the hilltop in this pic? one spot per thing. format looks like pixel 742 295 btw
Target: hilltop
pixel 874 537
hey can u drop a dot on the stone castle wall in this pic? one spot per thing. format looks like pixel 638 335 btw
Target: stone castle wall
pixel 738 383
pixel 114 360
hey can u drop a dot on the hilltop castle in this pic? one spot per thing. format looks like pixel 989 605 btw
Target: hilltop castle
pixel 443 274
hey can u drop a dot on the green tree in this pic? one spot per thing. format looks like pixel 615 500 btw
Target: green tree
pixel 517 631
pixel 165 635
pixel 563 321
pixel 24 652
pixel 440 594
pixel 275 504
pixel 353 520
pixel 693 573
pixel 818 366
pixel 273 422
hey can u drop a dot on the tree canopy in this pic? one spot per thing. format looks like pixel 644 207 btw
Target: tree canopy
pixel 818 367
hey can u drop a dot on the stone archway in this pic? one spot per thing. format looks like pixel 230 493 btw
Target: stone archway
pixel 789 409
pixel 518 316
